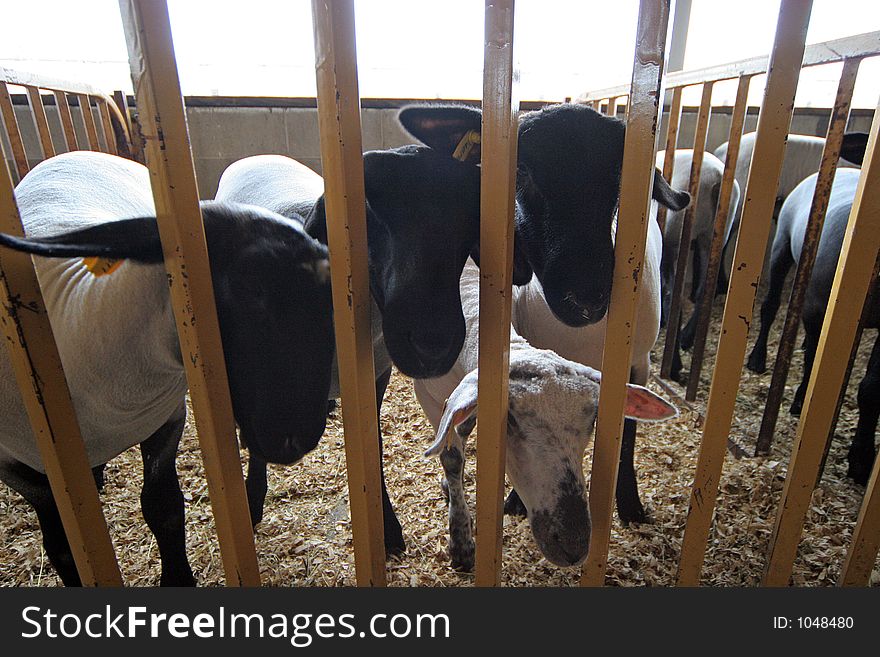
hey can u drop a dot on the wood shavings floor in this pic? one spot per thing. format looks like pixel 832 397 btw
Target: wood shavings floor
pixel 305 536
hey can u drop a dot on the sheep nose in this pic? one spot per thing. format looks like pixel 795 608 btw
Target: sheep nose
pixel 430 346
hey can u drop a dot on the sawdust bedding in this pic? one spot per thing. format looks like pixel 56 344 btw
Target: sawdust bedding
pixel 305 536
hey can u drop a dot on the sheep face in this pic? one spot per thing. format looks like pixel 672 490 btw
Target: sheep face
pixel 552 408
pixel 422 223
pixel 272 287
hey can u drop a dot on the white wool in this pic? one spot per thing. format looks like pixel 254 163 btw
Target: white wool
pixel 123 368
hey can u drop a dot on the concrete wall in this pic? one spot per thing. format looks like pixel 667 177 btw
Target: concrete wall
pixel 221 135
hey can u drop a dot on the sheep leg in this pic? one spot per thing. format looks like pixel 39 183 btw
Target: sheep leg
pixel 629 506
pixel 34 487
pixel 862 452
pixel 667 273
pixel 394 541
pixel 257 486
pixel 461 535
pixel 513 505
pixel 811 343
pixel 698 287
pixel 162 500
pixel 780 263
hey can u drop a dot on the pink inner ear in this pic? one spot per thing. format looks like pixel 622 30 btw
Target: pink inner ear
pixel 642 404
pixel 462 414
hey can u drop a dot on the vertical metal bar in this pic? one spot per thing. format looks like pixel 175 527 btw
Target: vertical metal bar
pixel 37 364
pixel 821 196
pixel 869 301
pixel 126 149
pixel 12 131
pixel 760 195
pixel 671 141
pixel 39 111
pixel 858 254
pixel 611 108
pixel 722 213
pixel 157 87
pixel 637 177
pixel 109 135
pixel 865 543
pixel 684 243
pixel 85 106
pixel 63 106
pixel 341 157
pixel 498 184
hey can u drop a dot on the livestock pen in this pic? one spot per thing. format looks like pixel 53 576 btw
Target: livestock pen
pixel 306 536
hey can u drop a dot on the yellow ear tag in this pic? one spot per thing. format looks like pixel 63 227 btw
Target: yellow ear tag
pixel 466 145
pixel 101 266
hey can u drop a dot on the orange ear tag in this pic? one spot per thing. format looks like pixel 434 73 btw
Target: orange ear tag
pixel 101 266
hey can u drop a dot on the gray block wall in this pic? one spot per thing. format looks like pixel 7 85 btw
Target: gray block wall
pixel 221 135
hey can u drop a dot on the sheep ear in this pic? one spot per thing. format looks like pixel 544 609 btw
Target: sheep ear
pixel 316 222
pixel 103 246
pixel 854 146
pixel 450 129
pixel 459 408
pixel 665 195
pixel 642 404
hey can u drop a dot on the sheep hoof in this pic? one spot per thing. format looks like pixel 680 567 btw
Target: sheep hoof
pixel 633 514
pixel 859 469
pixel 462 558
pixel 756 363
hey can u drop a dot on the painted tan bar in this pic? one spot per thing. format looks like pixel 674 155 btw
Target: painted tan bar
pixel 862 551
pixel 12 131
pixel 632 230
pixel 498 185
pixel 341 155
pixel 37 365
pixel 63 106
pixel 760 192
pixel 669 153
pixel 716 249
pixel 35 100
pixel 157 88
pixel 85 106
pixel 818 208
pixel 857 256
pixel 684 242
pixel 109 136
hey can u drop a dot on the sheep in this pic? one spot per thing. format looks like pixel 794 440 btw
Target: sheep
pixel 422 223
pixel 118 340
pixel 803 153
pixel 567 191
pixel 701 237
pixel 786 251
pixel 551 409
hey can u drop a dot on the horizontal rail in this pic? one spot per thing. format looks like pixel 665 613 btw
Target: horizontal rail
pixel 817 54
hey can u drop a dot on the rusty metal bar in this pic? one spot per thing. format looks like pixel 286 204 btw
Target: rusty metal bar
pixel 12 131
pixel 39 111
pixel 817 54
pixel 869 301
pixel 669 154
pixel 340 129
pixel 37 365
pixel 157 87
pixel 498 184
pixel 858 254
pixel 128 148
pixel 109 135
pixel 760 194
pixel 821 195
pixel 865 543
pixel 717 248
pixel 637 177
pixel 85 106
pixel 63 106
pixel 673 325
